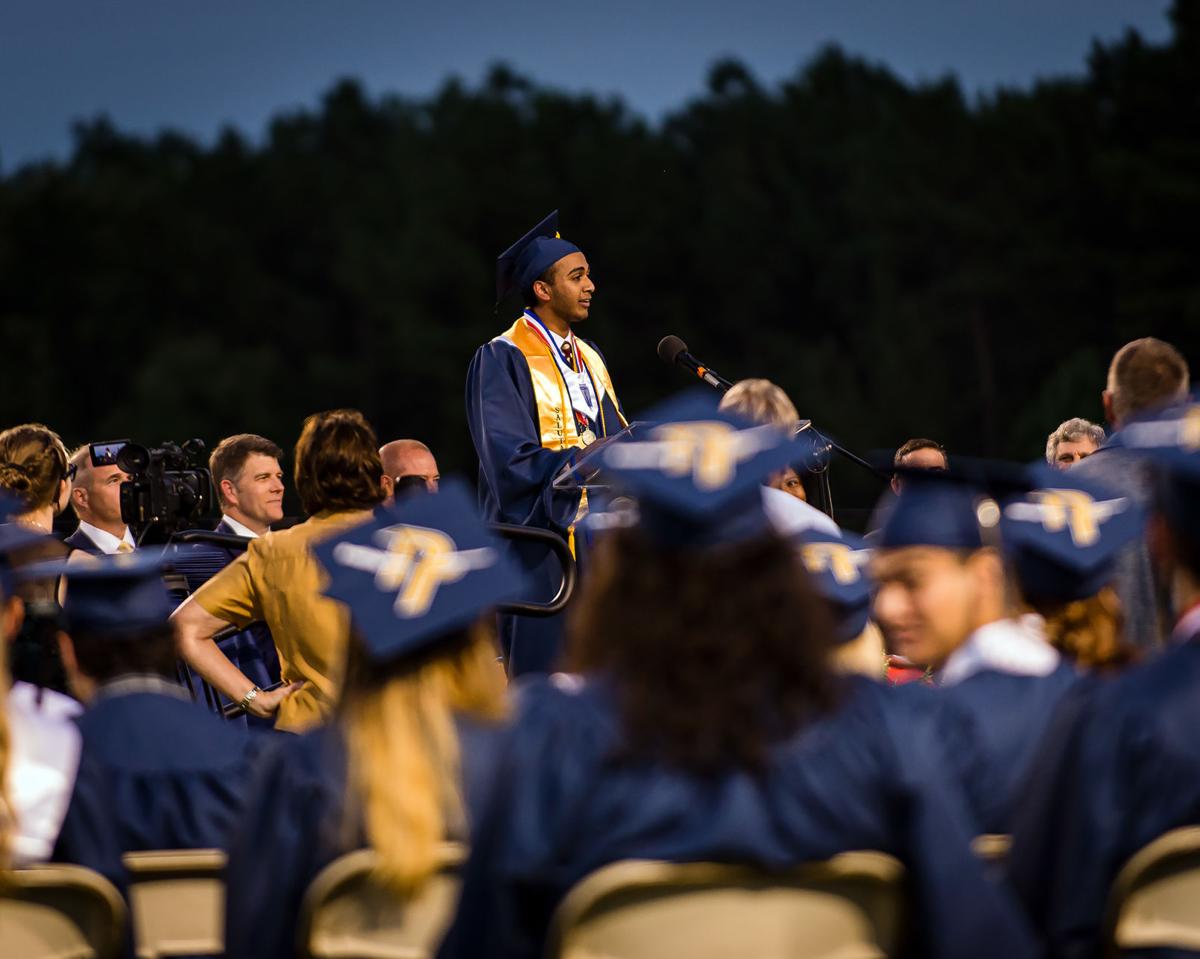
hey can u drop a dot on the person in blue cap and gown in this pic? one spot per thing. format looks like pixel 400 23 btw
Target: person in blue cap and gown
pixel 410 749
pixel 537 395
pixel 703 722
pixel 1125 768
pixel 156 770
pixel 944 600
pixel 39 751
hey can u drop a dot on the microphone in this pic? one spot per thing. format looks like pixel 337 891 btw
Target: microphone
pixel 674 352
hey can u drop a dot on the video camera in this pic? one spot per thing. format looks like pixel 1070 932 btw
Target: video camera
pixel 169 487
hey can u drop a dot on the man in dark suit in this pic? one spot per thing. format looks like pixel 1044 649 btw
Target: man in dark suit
pixel 96 499
pixel 249 482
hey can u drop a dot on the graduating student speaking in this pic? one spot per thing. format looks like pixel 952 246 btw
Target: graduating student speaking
pixel 536 395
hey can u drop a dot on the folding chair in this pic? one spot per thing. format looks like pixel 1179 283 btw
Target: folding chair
pixel 177 899
pixel 1155 899
pixel 347 915
pixel 60 912
pixel 848 907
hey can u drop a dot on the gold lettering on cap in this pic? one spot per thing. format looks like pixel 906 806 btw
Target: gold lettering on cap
pixel 415 562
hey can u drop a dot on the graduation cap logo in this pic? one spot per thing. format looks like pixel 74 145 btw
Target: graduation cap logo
pixel 1071 509
pixel 414 562
pixel 709 450
pixel 841 560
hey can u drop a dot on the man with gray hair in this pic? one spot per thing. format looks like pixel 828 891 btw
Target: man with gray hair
pixel 1145 375
pixel 1074 439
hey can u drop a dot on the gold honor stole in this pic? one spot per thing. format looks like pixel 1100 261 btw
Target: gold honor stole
pixel 556 418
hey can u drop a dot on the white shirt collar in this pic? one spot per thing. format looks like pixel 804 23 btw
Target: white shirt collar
pixel 1015 646
pixel 241 529
pixel 104 540
pixel 1187 627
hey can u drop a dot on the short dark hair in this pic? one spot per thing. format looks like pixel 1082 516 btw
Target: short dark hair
pixel 337 463
pixel 918 443
pixel 102 656
pixel 230 456
pixel 700 685
pixel 529 296
pixel 1146 374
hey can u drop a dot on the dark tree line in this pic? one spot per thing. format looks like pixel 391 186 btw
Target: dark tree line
pixel 902 260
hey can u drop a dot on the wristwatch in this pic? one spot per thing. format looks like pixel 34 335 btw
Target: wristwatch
pixel 249 698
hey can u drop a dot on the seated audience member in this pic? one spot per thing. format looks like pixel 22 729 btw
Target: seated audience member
pixel 249 482
pixel 1062 540
pixel 400 767
pixel 96 499
pixel 339 479
pixel 1126 768
pixel 1074 439
pixel 761 401
pixel 156 770
pixel 704 722
pixel 918 454
pixel 1145 375
pixel 407 465
pixel 34 470
pixel 942 602
pixel 37 773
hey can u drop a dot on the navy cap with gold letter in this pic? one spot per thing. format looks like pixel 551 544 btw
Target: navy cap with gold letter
pixel 838 567
pixel 526 260
pixel 1063 535
pixel 697 471
pixel 417 572
pixel 116 595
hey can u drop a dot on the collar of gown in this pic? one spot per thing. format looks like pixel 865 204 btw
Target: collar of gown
pixel 1015 646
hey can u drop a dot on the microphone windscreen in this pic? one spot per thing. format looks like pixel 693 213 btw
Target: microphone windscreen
pixel 669 348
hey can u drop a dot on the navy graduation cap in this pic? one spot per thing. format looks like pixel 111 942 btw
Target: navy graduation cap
pixel 933 509
pixel 115 595
pixel 838 568
pixel 418 571
pixel 1062 536
pixel 13 538
pixel 522 263
pixel 1170 439
pixel 696 471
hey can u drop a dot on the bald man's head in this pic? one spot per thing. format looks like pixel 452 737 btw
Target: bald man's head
pixel 405 462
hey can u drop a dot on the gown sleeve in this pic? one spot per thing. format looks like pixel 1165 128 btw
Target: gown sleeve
pixel 285 837
pixel 515 466
pixel 962 912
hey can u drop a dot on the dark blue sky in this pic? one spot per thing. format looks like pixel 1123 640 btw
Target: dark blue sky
pixel 197 66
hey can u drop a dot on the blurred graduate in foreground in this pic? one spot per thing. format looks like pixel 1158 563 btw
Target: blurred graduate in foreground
pixel 705 722
pixel 398 767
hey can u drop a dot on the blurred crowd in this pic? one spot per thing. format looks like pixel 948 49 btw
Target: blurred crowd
pixel 1009 650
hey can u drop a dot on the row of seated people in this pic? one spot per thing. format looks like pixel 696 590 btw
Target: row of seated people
pixel 699 716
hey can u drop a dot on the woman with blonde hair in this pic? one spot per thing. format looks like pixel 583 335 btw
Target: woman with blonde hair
pixel 401 764
pixel 33 468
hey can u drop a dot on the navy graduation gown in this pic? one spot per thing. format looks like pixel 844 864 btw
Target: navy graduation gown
pixel 295 824
pixel 515 475
pixel 863 777
pixel 1003 718
pixel 1120 768
pixel 155 772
